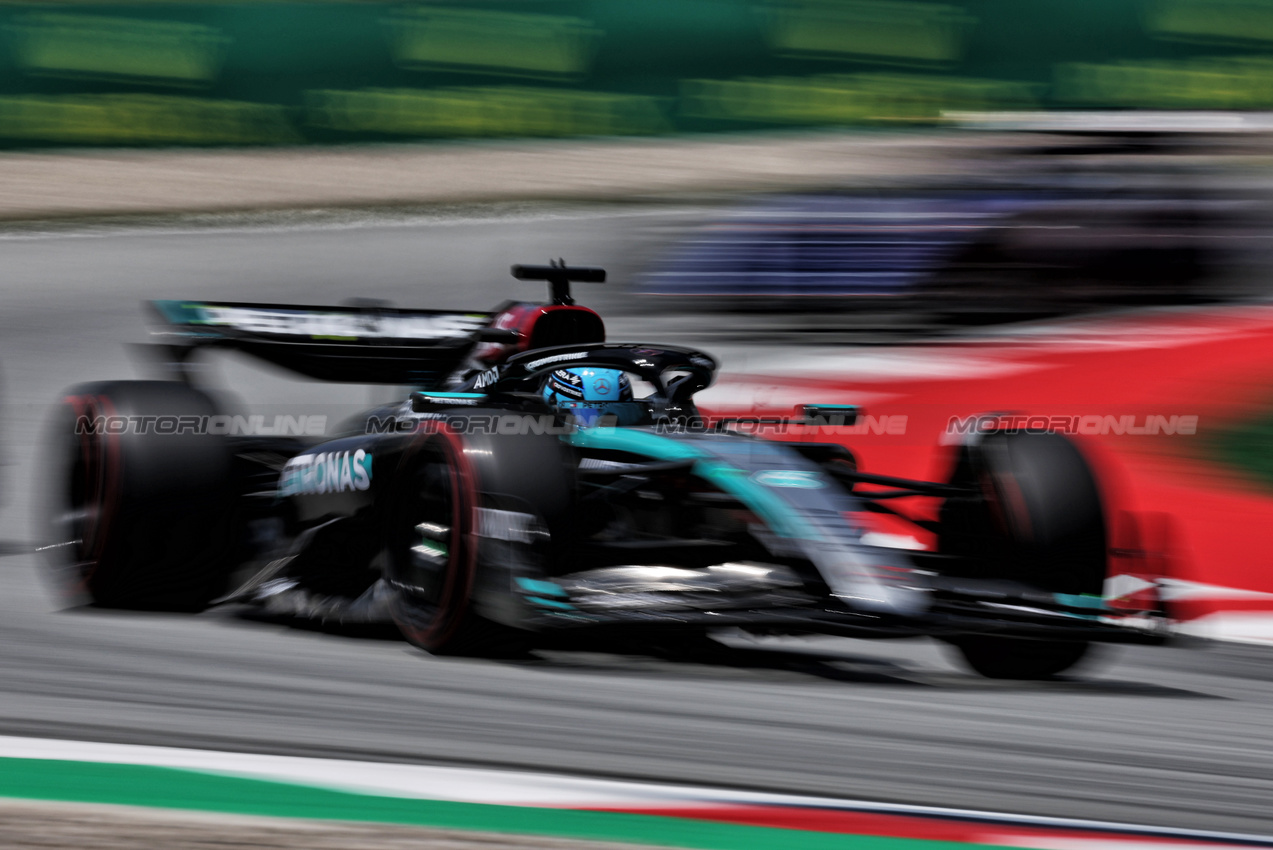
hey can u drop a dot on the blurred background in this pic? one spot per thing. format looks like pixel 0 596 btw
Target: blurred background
pixel 286 73
pixel 925 165
pixel 931 209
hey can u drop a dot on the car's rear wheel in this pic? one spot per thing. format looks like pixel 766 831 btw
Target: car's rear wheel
pixel 140 511
pixel 1037 519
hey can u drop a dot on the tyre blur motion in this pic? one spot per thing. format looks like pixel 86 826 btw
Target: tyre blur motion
pixel 963 218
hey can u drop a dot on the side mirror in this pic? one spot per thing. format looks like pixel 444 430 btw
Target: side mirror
pixel 829 414
pixel 501 335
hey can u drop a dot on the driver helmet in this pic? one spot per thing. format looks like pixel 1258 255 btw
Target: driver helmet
pixel 588 394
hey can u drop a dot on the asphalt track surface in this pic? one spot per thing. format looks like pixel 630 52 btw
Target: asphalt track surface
pixel 1161 736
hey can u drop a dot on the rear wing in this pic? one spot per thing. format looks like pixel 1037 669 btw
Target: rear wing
pixel 366 345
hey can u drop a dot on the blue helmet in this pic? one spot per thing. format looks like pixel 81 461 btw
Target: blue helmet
pixel 588 394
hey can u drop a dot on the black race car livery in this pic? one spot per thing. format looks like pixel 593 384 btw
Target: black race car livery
pixel 480 518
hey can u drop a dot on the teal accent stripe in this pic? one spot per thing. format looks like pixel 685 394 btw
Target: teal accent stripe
pixel 181 312
pixel 543 588
pixel 167 788
pixel 782 519
pixel 1080 600
pixel 634 441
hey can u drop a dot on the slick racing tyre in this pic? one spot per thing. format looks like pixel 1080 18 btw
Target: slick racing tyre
pixel 1014 658
pixel 433 567
pixel 140 511
pixel 433 547
pixel 1037 518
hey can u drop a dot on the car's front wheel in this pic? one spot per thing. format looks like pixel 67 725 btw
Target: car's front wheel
pixel 1037 518
pixel 1014 658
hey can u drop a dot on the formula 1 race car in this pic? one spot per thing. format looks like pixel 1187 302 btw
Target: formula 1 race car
pixel 540 483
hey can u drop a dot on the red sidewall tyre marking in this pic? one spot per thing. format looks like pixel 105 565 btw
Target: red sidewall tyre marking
pixel 462 566
pixel 100 454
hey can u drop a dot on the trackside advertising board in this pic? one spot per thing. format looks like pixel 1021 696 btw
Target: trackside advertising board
pixel 281 73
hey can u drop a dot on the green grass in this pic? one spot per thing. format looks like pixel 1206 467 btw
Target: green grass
pixel 1247 447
